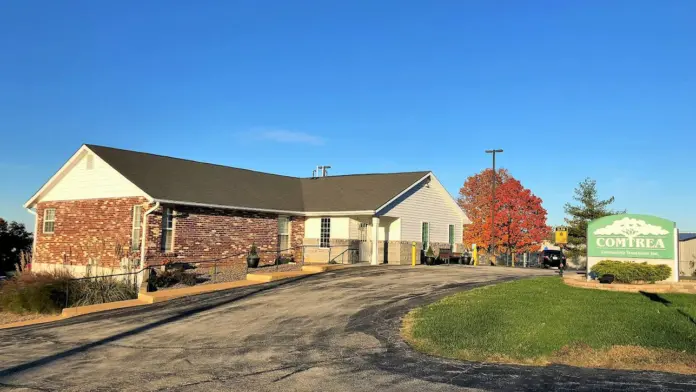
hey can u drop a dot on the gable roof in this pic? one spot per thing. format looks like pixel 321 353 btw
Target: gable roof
pixel 175 180
pixel 686 236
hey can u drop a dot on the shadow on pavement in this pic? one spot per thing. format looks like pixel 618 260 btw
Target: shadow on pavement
pixel 176 317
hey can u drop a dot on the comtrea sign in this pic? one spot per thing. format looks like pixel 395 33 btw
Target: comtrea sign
pixel 631 236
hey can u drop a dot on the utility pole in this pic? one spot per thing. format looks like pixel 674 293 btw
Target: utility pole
pixel 492 244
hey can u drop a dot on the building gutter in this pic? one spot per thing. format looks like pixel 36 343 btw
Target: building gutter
pixel 267 210
pixel 36 231
pixel 143 242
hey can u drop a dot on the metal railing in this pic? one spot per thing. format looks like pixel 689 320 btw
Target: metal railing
pixel 351 253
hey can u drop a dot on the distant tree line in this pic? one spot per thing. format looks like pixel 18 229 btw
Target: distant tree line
pixel 14 239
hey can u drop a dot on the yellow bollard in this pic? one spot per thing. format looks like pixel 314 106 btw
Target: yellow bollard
pixel 413 254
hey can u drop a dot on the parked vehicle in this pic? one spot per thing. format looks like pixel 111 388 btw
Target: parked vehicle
pixel 552 258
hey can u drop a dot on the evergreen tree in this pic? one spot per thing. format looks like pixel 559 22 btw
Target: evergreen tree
pixel 588 209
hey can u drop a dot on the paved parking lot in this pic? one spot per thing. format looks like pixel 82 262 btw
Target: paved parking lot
pixel 336 331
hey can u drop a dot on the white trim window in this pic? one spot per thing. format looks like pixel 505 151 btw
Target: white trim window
pixel 425 235
pixel 49 221
pixel 137 227
pixel 325 233
pixel 168 229
pixel 283 233
pixel 451 236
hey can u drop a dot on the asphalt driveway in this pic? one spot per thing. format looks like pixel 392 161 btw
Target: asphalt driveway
pixel 331 332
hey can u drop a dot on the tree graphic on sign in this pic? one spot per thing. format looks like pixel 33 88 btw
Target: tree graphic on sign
pixel 631 228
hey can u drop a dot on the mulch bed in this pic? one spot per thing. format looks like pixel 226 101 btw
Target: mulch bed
pixel 8 317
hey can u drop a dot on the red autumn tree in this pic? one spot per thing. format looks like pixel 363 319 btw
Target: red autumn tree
pixel 520 220
pixel 475 200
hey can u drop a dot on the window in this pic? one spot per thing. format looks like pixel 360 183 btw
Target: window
pixel 325 233
pixel 283 233
pixel 136 230
pixel 451 236
pixel 49 222
pixel 168 229
pixel 425 235
pixel 362 231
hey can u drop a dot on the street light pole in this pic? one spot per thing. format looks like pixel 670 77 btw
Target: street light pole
pixel 492 244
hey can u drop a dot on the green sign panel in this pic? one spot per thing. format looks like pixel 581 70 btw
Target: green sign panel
pixel 631 236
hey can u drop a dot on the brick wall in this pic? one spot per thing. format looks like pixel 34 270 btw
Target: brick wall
pixel 86 231
pixel 297 232
pixel 202 234
pixel 89 231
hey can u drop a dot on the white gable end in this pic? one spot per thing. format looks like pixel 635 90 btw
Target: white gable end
pixel 88 177
pixel 428 202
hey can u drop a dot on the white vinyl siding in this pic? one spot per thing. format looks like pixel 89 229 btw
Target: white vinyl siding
pixel 283 233
pixel 136 229
pixel 340 227
pixel 431 204
pixel 82 182
pixel 49 220
pixel 168 229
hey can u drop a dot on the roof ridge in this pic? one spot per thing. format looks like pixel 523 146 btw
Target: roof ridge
pixel 366 174
pixel 90 146
pixel 251 170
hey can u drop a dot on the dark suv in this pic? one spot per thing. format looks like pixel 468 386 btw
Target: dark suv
pixel 552 258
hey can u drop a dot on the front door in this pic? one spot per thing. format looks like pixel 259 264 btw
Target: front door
pixel 364 244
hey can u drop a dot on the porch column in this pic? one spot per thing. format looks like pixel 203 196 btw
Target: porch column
pixel 375 240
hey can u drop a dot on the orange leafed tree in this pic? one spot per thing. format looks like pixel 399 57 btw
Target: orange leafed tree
pixel 520 219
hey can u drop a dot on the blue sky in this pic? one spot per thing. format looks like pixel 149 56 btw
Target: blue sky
pixel 569 89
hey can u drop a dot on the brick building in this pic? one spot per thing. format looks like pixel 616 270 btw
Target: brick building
pixel 108 210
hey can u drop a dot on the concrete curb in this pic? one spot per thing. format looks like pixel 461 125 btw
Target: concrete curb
pixel 675 288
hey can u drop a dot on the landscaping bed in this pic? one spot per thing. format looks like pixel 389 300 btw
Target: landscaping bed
pixel 207 274
pixel 9 317
pixel 29 295
pixel 543 321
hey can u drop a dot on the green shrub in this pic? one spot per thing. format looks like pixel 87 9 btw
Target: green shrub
pixel 283 259
pixel 29 292
pixel 629 272
pixel 168 278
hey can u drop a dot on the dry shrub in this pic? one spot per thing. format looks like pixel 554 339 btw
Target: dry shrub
pixel 29 292
pixel 168 278
pixel 100 290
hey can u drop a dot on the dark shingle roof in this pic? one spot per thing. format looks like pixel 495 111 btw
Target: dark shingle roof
pixel 354 192
pixel 167 178
pixel 686 236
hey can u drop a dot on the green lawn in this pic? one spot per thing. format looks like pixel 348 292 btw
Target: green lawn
pixel 534 320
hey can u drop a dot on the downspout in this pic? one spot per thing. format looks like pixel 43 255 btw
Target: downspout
pixel 36 231
pixel 143 242
pixel 143 276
